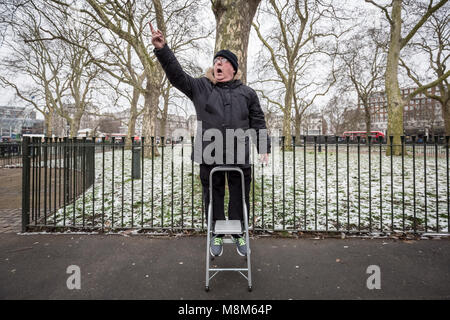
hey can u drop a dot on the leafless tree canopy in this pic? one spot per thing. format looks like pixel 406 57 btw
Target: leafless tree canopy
pixel 70 59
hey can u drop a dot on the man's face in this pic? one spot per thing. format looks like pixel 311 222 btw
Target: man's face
pixel 223 70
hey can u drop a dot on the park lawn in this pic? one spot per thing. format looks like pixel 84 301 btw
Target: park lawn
pixel 323 198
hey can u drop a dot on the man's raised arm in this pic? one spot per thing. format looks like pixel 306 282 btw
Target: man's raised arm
pixel 177 77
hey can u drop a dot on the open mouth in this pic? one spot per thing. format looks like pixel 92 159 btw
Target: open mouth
pixel 219 71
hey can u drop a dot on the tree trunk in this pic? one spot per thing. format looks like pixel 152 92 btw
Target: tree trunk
pixel 445 106
pixel 446 116
pixel 367 120
pixel 151 101
pixel 298 123
pixel 48 119
pixel 394 98
pixel 163 122
pixel 287 129
pixel 74 123
pixel 131 131
pixel 287 133
pixel 133 116
pixel 233 23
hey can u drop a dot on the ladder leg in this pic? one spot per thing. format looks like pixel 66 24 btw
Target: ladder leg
pixel 247 241
pixel 247 238
pixel 208 244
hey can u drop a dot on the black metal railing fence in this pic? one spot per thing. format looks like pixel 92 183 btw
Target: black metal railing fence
pixel 319 184
pixel 10 154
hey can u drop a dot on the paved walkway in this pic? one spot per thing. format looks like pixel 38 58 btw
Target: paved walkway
pixel 10 220
pixel 142 267
pixel 10 200
pixel 34 266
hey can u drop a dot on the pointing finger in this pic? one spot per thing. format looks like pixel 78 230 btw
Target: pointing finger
pixel 151 27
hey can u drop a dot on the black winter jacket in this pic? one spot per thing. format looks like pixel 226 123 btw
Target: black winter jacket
pixel 220 106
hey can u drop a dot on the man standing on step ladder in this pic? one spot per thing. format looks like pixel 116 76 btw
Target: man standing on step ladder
pixel 227 110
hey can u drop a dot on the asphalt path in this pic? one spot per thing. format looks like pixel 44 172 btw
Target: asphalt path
pixel 48 266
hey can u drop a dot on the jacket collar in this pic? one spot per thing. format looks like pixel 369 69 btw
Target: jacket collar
pixel 233 83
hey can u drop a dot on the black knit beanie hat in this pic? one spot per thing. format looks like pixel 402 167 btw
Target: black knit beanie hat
pixel 230 56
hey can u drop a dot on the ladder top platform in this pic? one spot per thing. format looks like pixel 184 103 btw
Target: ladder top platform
pixel 228 227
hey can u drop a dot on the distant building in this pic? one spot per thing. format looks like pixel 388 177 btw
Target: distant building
pixel 174 123
pixel 421 116
pixel 16 121
pixel 314 124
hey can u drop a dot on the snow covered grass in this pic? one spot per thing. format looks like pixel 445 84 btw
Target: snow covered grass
pixel 356 204
pixel 323 198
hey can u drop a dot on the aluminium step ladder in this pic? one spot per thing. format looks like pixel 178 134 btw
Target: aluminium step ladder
pixel 227 227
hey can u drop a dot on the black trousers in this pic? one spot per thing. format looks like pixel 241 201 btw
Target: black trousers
pixel 235 209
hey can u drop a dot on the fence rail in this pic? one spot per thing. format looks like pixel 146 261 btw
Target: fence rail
pixel 331 186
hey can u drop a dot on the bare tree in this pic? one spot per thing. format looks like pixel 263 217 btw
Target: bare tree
pixel 363 66
pixel 37 61
pixel 341 113
pixel 82 76
pixel 125 77
pixel 62 74
pixel 433 40
pixel 397 42
pixel 299 39
pixel 129 21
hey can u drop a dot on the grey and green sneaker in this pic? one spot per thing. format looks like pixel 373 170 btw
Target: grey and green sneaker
pixel 216 248
pixel 241 246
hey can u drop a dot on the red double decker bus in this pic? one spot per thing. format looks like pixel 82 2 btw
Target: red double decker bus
pixel 362 134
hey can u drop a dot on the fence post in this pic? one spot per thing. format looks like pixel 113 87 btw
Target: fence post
pixel 89 162
pixel 136 165
pixel 25 183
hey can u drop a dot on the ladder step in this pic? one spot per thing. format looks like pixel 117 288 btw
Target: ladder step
pixel 228 227
pixel 228 269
